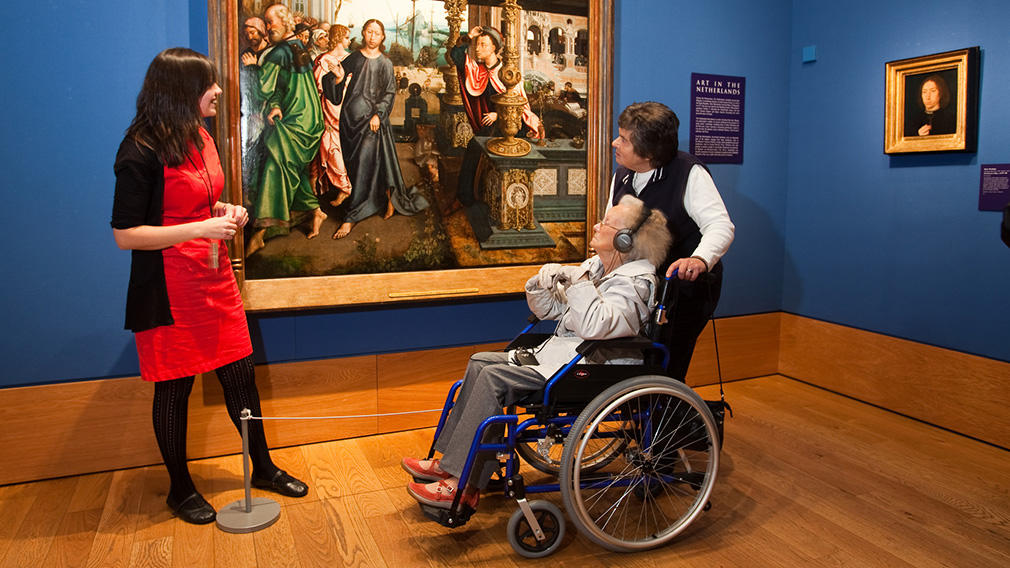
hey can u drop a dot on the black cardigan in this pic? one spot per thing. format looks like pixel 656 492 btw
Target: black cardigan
pixel 139 200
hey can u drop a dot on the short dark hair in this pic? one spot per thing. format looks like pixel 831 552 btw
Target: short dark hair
pixel 168 107
pixel 653 127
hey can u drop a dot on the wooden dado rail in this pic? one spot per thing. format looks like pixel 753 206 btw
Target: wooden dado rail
pixel 74 428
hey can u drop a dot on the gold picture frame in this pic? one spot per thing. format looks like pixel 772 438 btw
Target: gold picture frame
pixel 950 124
pixel 306 292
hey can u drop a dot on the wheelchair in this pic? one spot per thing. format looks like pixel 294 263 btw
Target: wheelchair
pixel 635 452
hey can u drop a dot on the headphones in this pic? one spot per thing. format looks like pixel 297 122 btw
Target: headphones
pixel 624 239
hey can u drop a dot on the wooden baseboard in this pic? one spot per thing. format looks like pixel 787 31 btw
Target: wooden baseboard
pixel 74 428
pixel 961 392
pixel 748 347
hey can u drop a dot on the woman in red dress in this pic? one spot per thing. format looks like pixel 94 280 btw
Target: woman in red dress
pixel 183 303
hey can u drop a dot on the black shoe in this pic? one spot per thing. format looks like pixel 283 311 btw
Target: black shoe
pixel 193 509
pixel 282 483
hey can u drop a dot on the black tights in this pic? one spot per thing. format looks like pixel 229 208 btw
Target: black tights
pixel 171 402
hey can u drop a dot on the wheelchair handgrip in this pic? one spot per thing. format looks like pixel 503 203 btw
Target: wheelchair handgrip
pixel 660 317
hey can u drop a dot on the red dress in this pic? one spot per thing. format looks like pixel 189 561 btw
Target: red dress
pixel 210 328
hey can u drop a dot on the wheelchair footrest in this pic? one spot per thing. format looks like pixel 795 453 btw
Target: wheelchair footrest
pixel 446 517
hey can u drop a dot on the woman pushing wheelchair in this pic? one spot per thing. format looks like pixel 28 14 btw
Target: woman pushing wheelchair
pixel 610 295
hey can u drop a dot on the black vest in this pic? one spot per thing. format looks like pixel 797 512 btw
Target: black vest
pixel 665 191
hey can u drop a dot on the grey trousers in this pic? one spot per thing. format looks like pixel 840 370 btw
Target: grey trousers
pixel 489 384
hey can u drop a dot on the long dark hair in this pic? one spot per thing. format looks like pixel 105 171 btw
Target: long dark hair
pixel 168 107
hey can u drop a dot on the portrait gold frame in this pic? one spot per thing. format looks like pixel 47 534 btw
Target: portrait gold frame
pixel 358 289
pixel 964 139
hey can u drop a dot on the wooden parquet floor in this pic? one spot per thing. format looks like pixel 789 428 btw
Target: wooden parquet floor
pixel 808 478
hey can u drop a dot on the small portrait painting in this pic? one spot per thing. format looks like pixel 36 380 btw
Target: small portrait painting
pixel 930 103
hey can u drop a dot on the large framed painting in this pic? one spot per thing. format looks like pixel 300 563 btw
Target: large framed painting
pixel 410 150
pixel 932 103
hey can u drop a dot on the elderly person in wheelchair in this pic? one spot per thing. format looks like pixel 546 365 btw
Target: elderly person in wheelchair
pixel 610 295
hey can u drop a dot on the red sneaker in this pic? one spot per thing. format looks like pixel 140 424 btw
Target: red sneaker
pixel 440 494
pixel 430 473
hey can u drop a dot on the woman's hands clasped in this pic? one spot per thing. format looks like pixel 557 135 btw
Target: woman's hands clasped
pixel 227 220
pixel 551 274
pixel 236 212
pixel 218 228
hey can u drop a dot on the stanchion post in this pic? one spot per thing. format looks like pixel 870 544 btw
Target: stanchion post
pixel 248 515
pixel 245 416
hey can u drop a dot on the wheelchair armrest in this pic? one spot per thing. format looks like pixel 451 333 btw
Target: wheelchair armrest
pixel 586 348
pixel 528 340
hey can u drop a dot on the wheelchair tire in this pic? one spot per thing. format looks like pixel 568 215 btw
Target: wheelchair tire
pixel 521 536
pixel 663 479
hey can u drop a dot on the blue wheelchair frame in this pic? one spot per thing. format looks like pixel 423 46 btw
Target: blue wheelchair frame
pixel 535 428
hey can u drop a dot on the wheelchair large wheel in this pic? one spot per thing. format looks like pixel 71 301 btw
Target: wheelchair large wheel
pixel 661 481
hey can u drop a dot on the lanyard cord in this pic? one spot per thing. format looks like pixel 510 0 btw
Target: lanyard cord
pixel 207 182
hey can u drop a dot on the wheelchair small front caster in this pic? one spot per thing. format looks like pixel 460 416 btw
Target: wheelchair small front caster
pixel 521 535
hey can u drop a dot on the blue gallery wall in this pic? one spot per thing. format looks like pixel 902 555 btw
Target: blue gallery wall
pixel 804 203
pixel 659 43
pixel 72 79
pixel 894 244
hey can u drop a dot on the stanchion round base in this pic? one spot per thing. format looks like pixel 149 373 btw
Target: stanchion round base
pixel 234 518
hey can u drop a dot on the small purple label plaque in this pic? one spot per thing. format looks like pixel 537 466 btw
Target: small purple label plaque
pixel 717 103
pixel 994 187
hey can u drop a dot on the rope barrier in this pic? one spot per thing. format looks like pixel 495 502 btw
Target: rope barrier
pixel 342 417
